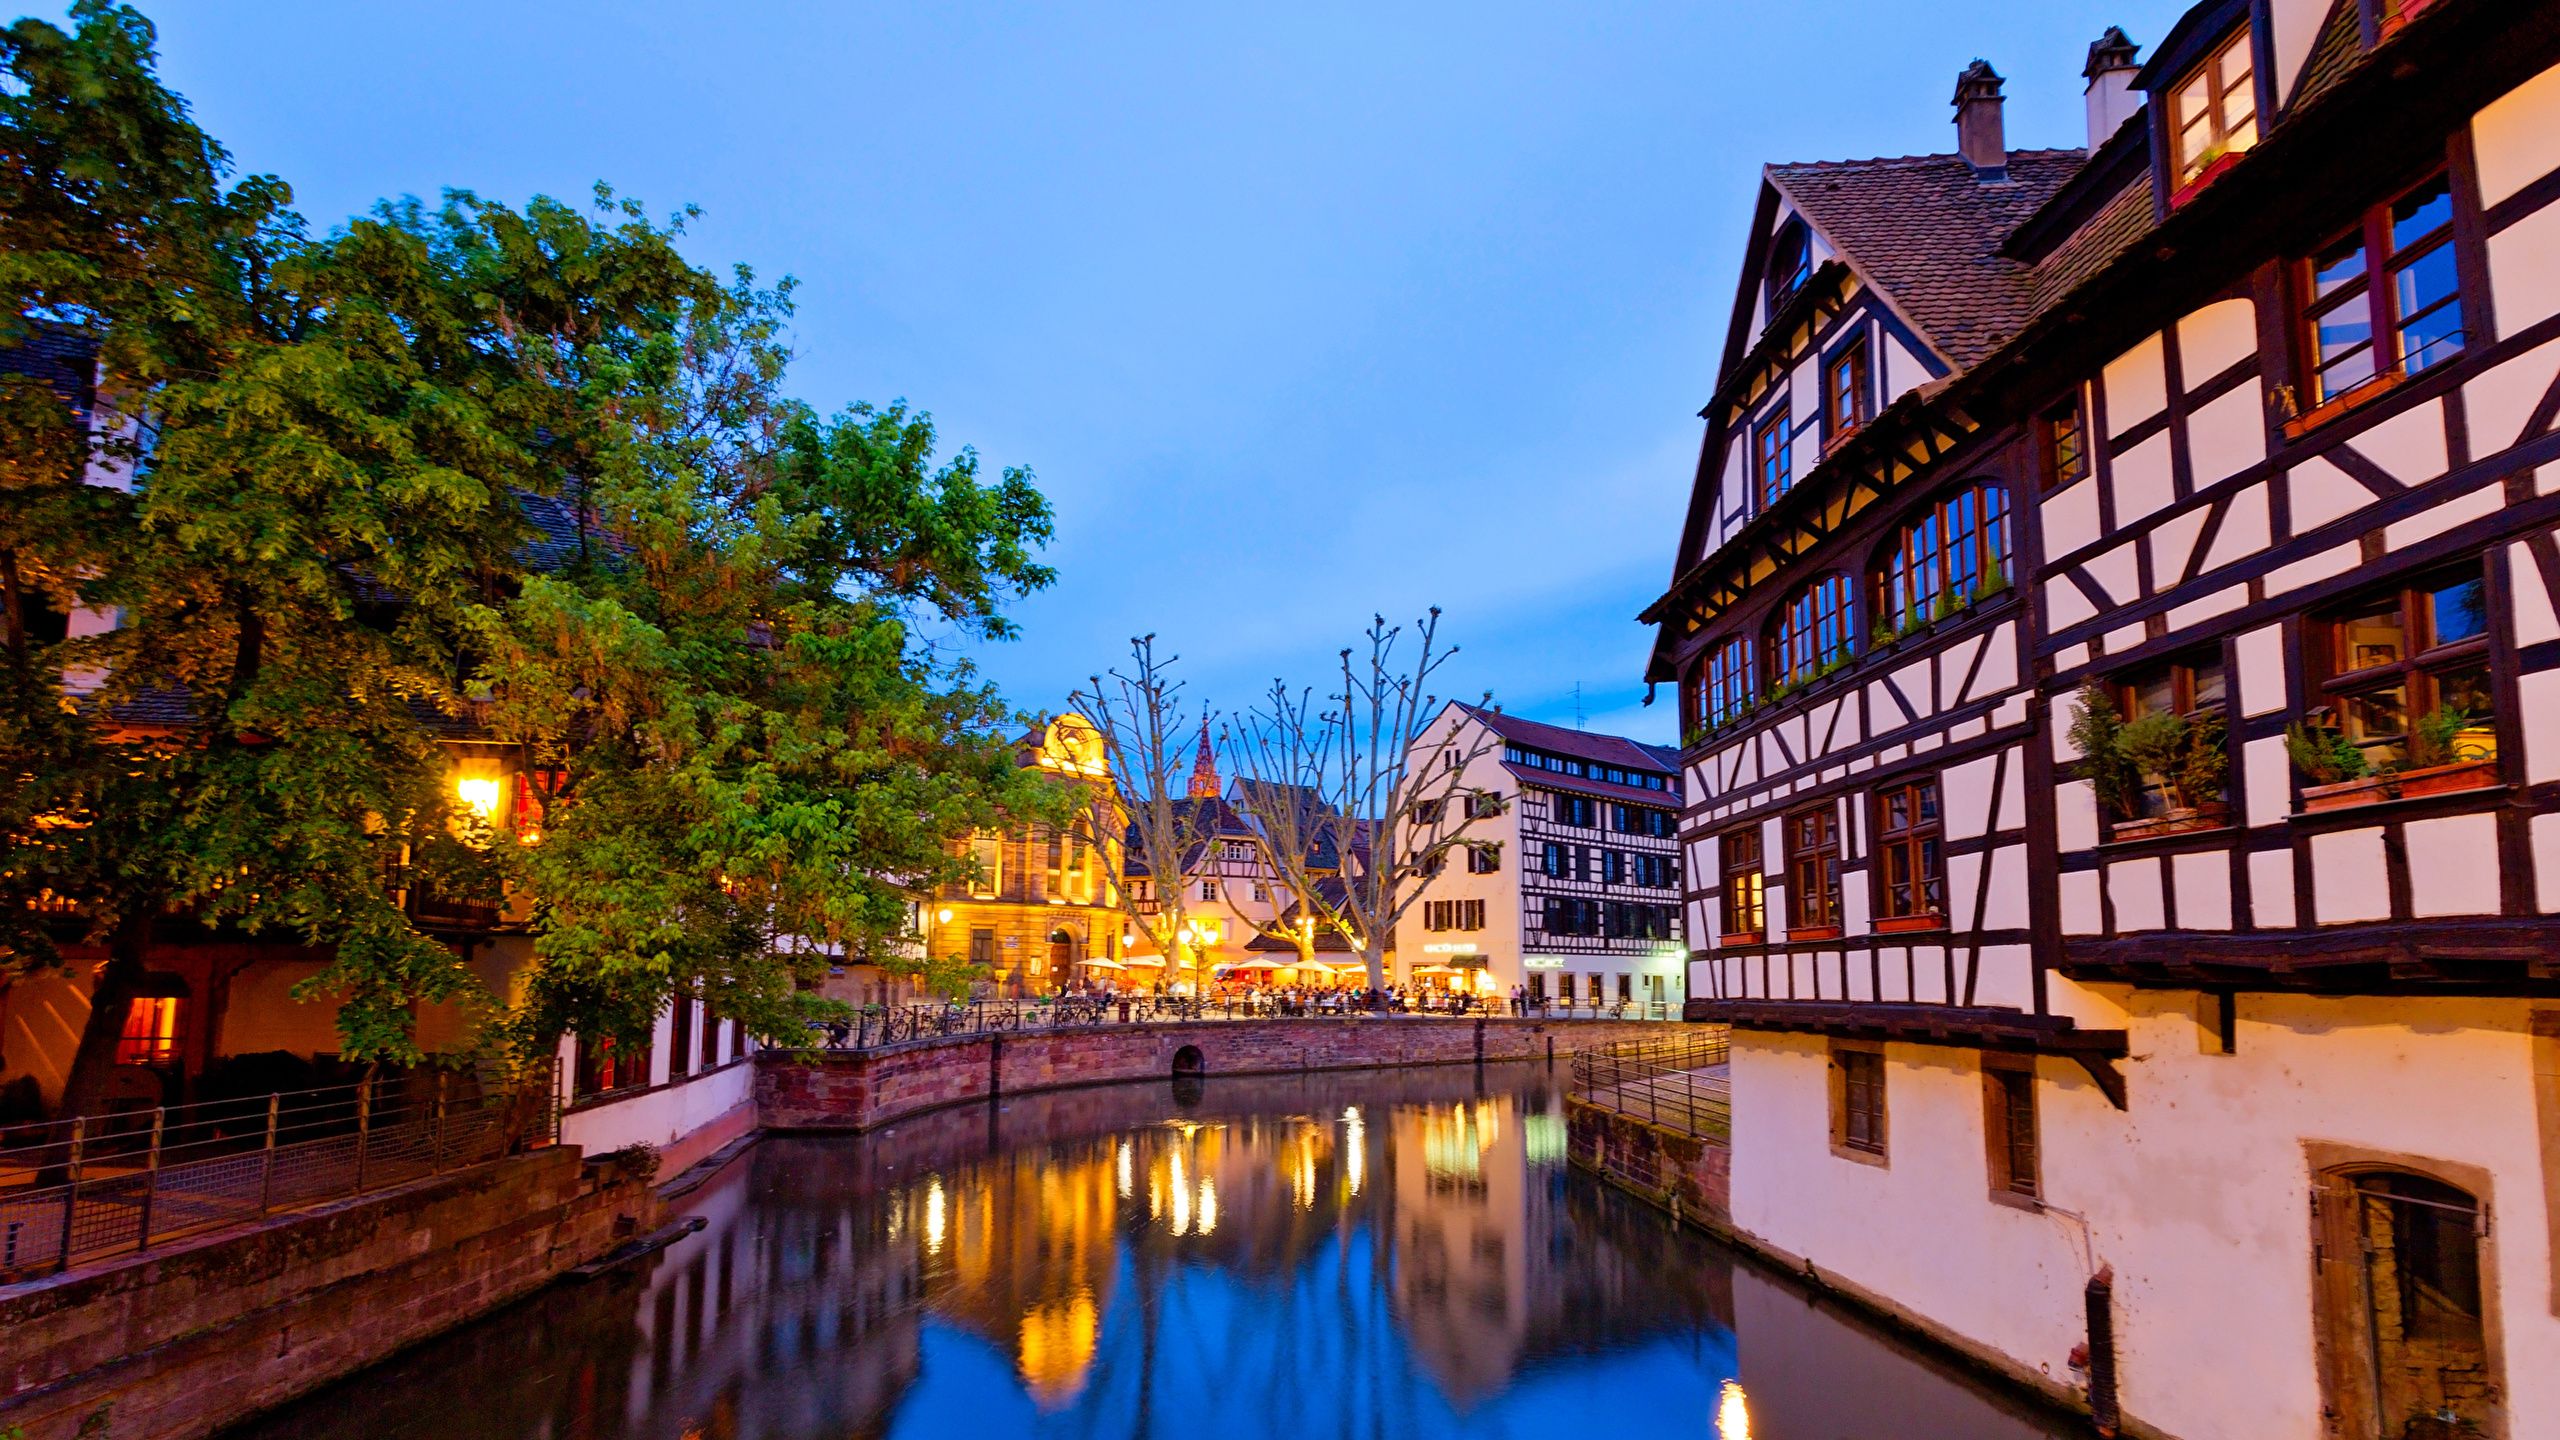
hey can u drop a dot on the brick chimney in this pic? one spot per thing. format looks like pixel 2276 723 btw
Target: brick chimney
pixel 2111 96
pixel 1979 138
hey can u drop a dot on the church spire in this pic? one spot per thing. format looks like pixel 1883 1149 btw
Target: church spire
pixel 1204 771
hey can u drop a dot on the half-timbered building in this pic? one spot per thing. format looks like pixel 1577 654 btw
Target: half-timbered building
pixel 1567 887
pixel 2117 636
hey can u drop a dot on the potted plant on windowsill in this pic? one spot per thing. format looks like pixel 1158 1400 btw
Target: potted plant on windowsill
pixel 2209 168
pixel 2341 774
pixel 2443 759
pixel 2123 759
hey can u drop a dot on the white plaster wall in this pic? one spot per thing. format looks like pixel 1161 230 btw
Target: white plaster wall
pixel 2142 480
pixel 2137 386
pixel 2246 528
pixel 2516 139
pixel 2297 26
pixel 2226 436
pixel 2215 338
pixel 2498 404
pixel 2070 518
pixel 2524 269
pixel 2198 1195
pixel 662 1116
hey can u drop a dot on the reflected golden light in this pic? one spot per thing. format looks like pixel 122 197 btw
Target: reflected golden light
pixel 1208 1204
pixel 1355 1158
pixel 1057 1348
pixel 479 796
pixel 1733 1414
pixel 1181 1198
pixel 1127 1179
pixel 934 1217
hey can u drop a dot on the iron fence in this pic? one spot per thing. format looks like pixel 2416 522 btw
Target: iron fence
pixel 1680 1084
pixel 891 1024
pixel 93 1186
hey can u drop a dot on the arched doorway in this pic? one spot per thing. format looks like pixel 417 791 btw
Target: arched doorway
pixel 2404 1307
pixel 1062 954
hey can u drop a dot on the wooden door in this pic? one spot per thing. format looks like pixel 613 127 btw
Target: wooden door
pixel 2403 1323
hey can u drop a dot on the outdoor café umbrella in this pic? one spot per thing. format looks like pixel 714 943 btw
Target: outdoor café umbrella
pixel 1099 963
pixel 1435 969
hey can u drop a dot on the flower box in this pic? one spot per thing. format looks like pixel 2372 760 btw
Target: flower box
pixel 1814 932
pixel 1739 937
pixel 2206 176
pixel 2347 794
pixel 2363 392
pixel 2174 822
pixel 1905 924
pixel 2448 779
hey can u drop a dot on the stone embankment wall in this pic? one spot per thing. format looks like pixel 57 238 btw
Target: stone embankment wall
pixel 861 1090
pixel 177 1343
pixel 180 1342
pixel 1685 1174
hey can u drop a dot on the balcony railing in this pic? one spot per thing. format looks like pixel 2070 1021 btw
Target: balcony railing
pixel 92 1187
pixel 1680 1084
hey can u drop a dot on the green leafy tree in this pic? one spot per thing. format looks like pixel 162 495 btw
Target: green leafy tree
pixel 324 562
pixel 755 756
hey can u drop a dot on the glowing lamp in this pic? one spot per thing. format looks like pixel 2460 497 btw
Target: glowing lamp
pixel 943 915
pixel 478 796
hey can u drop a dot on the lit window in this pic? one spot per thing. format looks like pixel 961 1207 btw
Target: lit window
pixel 988 852
pixel 2066 444
pixel 2410 654
pixel 150 1032
pixel 1743 899
pixel 2213 110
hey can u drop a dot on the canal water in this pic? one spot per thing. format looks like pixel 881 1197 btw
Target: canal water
pixel 1385 1254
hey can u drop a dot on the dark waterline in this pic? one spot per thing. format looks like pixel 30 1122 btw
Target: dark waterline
pixel 1391 1254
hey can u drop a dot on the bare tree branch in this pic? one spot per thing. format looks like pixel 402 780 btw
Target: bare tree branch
pixel 1389 816
pixel 1143 721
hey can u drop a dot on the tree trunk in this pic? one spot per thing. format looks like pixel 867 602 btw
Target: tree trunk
pixel 119 981
pixel 13 624
pixel 1373 958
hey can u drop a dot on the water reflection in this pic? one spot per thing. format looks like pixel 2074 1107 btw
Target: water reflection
pixel 1390 1255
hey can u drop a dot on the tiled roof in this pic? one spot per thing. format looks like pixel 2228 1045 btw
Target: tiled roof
pixel 1927 230
pixel 1615 750
pixel 62 356
pixel 555 524
pixel 2123 220
pixel 1602 789
pixel 2333 54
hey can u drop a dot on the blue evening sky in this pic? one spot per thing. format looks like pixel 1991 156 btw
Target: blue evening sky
pixel 1298 312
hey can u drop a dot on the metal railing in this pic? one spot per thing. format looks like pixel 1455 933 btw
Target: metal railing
pixel 93 1186
pixel 891 1024
pixel 1679 1084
